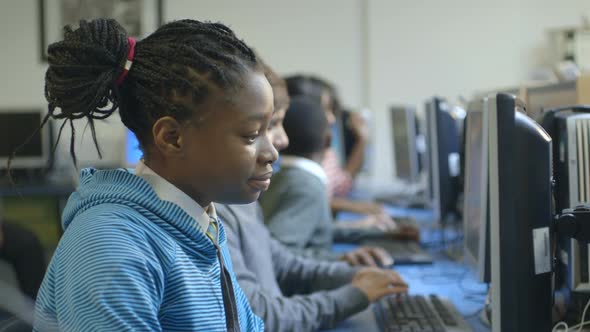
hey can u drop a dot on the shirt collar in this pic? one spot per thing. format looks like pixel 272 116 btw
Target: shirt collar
pixel 305 164
pixel 166 191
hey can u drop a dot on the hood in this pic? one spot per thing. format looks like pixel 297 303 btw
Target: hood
pixel 122 187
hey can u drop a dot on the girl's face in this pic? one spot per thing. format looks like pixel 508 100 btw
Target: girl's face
pixel 277 131
pixel 228 157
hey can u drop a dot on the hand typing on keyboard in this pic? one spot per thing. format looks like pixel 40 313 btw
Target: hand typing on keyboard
pixel 368 256
pixel 377 283
pixel 379 221
pixel 406 232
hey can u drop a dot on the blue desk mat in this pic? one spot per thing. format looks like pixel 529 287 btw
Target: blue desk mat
pixel 453 280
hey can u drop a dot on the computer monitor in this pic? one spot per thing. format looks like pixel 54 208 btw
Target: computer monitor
pixel 132 151
pixel 442 139
pixel 404 133
pixel 16 126
pixel 520 216
pixel 475 204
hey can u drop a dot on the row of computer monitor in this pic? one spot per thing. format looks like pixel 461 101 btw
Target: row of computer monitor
pixel 507 201
pixel 508 186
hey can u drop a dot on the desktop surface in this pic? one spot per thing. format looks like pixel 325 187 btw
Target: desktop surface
pixel 452 280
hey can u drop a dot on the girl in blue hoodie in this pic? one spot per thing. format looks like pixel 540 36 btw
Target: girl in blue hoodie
pixel 143 250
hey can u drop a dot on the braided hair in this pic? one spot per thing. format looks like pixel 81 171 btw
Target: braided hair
pixel 174 69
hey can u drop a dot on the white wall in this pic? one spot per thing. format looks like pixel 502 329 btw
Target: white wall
pixel 416 49
pixel 309 36
pixel 452 48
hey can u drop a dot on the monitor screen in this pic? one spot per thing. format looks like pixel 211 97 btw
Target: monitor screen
pixel 401 143
pixel 474 210
pixel 132 151
pixel 16 127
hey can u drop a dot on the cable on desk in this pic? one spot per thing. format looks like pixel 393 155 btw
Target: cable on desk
pixel 470 291
pixel 578 326
pixel 449 278
pixel 474 314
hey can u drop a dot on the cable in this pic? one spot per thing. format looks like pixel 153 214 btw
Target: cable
pixel 468 291
pixel 474 313
pixel 578 326
pixel 583 317
pixel 564 324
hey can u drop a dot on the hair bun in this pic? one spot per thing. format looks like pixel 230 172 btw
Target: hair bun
pixel 82 70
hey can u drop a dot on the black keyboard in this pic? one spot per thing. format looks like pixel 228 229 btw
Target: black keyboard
pixel 403 252
pixel 356 235
pixel 418 313
pixel 403 201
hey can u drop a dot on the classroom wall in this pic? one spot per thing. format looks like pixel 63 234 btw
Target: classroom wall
pixel 415 49
pixel 452 48
pixel 322 37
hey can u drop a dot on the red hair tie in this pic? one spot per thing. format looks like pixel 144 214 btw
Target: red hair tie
pixel 129 62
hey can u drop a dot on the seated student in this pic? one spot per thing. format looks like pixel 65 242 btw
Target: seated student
pixel 289 292
pixel 339 179
pixel 296 207
pixel 143 250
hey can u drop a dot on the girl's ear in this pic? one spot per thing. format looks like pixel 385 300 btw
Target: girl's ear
pixel 167 136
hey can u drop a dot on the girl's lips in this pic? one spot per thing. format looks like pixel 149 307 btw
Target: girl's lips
pixel 261 185
pixel 261 182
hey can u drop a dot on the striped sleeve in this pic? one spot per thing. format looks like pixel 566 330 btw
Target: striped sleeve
pixel 340 182
pixel 106 277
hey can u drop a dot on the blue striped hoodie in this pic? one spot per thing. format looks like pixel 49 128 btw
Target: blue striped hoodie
pixel 129 261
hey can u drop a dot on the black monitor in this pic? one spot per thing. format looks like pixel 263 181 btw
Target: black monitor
pixel 404 136
pixel 520 215
pixel 16 126
pixel 442 140
pixel 476 203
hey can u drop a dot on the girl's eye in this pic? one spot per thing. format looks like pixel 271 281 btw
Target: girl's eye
pixel 252 137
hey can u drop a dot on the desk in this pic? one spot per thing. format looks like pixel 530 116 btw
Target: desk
pixel 447 278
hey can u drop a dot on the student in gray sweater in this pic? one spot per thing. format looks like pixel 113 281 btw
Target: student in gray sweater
pixel 290 292
pixel 296 206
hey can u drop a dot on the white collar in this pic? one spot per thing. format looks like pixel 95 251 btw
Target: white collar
pixel 305 164
pixel 166 191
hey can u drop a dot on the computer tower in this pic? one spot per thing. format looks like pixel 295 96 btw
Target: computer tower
pixel 570 130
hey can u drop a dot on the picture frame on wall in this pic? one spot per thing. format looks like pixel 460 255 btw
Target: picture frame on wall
pixel 138 17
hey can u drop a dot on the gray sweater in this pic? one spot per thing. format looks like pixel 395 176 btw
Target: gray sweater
pixel 297 212
pixel 289 292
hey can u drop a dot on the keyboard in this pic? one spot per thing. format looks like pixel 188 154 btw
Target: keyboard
pixel 356 235
pixel 418 313
pixel 402 252
pixel 403 201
